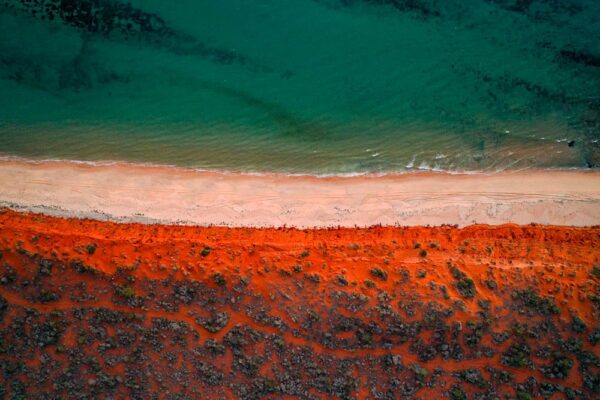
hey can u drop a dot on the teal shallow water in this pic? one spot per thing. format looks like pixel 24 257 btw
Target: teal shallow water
pixel 304 86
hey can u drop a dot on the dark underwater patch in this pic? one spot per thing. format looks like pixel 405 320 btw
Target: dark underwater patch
pixel 539 10
pixel 508 83
pixel 114 19
pixel 589 123
pixel 580 57
pixel 288 122
pixel 97 16
pixel 420 8
pixel 425 9
pixel 82 72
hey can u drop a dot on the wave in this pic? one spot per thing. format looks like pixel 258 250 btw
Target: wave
pixel 423 168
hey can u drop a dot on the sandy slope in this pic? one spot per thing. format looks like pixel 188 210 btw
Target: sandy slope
pixel 93 309
pixel 147 194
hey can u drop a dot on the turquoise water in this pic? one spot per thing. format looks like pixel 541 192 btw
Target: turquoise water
pixel 304 86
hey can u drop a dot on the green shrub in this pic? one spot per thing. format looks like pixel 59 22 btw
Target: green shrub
pixel 91 248
pixel 219 278
pixel 420 372
pixel 47 296
pixel 464 284
pixel 379 273
pixel 517 355
pixel 491 284
pixel 560 367
pixel 466 287
pixel 457 393
pixel 578 325
pixel 542 305
pixel 125 291
pixel 522 395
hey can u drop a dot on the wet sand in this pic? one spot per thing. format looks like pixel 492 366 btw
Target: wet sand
pixel 131 193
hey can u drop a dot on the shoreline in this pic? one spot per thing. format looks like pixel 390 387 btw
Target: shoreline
pixel 4 158
pixel 126 192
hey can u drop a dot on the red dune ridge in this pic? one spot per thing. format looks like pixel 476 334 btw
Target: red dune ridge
pixel 93 309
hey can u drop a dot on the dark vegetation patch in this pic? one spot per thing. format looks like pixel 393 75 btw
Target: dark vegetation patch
pixel 560 367
pixel 91 248
pixel 219 279
pixel 379 273
pixel 463 283
pixel 205 339
pixel 214 323
pixel 517 355
pixel 529 299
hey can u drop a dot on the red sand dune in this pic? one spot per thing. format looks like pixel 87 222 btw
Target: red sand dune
pixel 94 309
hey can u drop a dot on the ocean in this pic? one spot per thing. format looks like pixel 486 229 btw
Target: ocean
pixel 303 86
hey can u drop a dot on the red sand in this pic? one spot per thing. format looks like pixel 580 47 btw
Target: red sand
pixel 345 298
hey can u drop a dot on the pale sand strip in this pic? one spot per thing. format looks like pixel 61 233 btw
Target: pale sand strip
pixel 157 194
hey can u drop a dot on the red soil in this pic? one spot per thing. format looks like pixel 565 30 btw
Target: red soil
pixel 322 312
